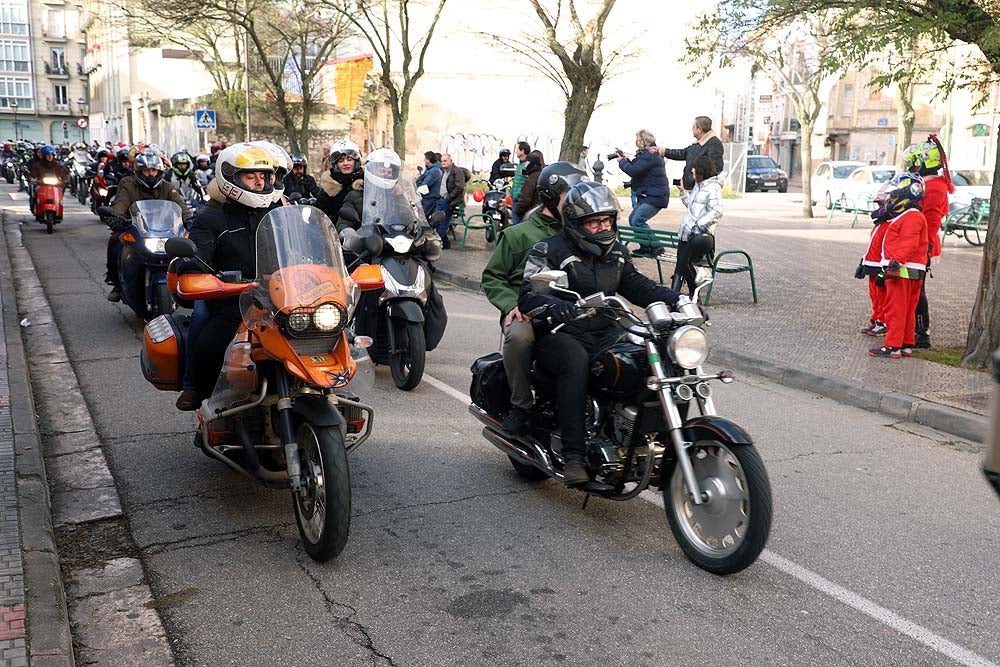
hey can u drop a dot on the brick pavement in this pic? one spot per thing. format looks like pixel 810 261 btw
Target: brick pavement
pixel 13 649
pixel 811 307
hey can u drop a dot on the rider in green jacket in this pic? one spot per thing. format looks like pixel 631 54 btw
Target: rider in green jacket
pixel 504 274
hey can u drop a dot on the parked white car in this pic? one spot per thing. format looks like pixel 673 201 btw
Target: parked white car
pixel 975 182
pixel 855 193
pixel 827 175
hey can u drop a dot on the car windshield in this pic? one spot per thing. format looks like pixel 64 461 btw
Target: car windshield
pixel 883 175
pixel 761 162
pixel 964 177
pixel 844 170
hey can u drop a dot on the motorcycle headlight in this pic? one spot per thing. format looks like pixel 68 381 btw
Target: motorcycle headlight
pixel 328 317
pixel 688 347
pixel 50 180
pixel 102 191
pixel 299 321
pixel 155 245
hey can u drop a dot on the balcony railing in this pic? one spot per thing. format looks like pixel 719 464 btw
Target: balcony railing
pixel 56 70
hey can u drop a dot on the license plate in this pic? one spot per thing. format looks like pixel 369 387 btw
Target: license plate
pixel 770 185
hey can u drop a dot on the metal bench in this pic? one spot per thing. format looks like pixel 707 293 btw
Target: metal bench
pixel 661 238
pixel 971 222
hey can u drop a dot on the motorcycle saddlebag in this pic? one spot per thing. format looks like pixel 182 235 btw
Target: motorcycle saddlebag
pixel 489 389
pixel 162 355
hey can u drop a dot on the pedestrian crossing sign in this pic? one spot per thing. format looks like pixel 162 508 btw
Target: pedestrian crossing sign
pixel 204 119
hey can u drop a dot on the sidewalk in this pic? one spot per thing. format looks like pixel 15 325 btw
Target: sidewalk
pixel 805 330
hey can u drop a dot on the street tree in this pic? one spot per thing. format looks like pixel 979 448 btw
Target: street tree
pixel 798 57
pixel 570 53
pixel 399 32
pixel 976 23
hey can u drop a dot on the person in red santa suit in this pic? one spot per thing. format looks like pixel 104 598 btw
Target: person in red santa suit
pixel 871 266
pixel 904 260
pixel 928 160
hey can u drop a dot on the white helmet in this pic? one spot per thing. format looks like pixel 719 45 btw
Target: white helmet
pixel 382 168
pixel 344 147
pixel 282 165
pixel 239 159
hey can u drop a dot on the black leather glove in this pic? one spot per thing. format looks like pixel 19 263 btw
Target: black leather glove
pixel 859 273
pixel 188 222
pixel 562 312
pixel 119 225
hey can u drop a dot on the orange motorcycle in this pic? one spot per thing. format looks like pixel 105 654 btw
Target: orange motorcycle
pixel 285 410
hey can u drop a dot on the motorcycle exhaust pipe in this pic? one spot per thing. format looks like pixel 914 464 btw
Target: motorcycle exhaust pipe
pixel 507 446
pixel 253 461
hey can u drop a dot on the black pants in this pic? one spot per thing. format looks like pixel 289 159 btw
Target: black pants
pixel 211 345
pixel 689 252
pixel 567 359
pixel 923 316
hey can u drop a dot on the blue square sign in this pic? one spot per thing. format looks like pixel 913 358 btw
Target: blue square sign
pixel 204 119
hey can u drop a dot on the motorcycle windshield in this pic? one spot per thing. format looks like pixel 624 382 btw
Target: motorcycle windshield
pixel 156 218
pixel 392 203
pixel 299 266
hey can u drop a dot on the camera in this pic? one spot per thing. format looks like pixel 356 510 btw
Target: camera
pixel 616 155
pixel 676 182
pixel 627 184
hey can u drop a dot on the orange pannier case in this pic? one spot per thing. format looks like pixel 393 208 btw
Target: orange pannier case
pixel 162 356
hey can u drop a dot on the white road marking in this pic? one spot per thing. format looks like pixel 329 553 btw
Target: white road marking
pixel 875 611
pixel 474 316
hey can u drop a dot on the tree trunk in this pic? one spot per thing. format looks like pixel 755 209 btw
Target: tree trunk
pixel 906 117
pixel 579 108
pixel 984 325
pixel 805 156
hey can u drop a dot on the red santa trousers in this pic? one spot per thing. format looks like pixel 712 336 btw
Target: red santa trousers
pixel 877 294
pixel 901 296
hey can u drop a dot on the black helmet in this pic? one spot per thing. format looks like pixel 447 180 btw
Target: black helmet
pixel 298 160
pixel 148 160
pixel 556 179
pixel 586 200
pixel 504 152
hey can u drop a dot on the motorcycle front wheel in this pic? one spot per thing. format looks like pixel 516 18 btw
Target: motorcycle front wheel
pixel 163 301
pixel 407 362
pixel 726 533
pixel 10 178
pixel 323 506
pixel 50 221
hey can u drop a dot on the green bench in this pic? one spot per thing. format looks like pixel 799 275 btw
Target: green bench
pixel 668 240
pixel 971 221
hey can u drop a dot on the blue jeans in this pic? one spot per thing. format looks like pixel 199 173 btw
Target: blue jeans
pixel 514 217
pixel 199 316
pixel 443 206
pixel 428 203
pixel 640 215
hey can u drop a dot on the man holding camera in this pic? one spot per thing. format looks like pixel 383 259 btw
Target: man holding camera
pixel 650 190
pixel 706 143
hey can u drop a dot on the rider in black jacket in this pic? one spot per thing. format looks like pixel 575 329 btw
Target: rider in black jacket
pixel 298 180
pixel 594 261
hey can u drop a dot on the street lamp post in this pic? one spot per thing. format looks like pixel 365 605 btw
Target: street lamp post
pixel 13 105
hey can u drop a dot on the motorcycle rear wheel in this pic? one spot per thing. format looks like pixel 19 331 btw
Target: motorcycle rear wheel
pixel 10 178
pixel 323 506
pixel 726 534
pixel 407 365
pixel 81 194
pixel 50 221
pixel 529 473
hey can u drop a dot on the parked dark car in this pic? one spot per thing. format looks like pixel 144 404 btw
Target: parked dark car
pixel 764 174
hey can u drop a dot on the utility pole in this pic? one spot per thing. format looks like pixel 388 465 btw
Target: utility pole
pixel 246 78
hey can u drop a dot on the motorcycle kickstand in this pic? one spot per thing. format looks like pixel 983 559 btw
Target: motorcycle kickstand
pixel 586 499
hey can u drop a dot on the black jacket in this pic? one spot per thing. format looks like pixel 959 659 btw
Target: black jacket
pixel 612 274
pixel 226 237
pixel 304 184
pixel 712 148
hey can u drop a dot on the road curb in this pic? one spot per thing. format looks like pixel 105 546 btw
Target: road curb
pixel 47 618
pixel 944 418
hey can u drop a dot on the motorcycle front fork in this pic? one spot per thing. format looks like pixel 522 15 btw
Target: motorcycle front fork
pixel 286 428
pixel 676 424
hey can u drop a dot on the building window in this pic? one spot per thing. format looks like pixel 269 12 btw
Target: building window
pixel 56 23
pixel 13 17
pixel 57 60
pixel 60 97
pixel 847 101
pixel 19 90
pixel 14 56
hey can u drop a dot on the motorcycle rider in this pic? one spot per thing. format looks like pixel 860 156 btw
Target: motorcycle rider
pixel 203 170
pixel 588 251
pixel 345 175
pixel 502 279
pixel 226 239
pixel 146 183
pixel 495 170
pixel 47 165
pixel 298 180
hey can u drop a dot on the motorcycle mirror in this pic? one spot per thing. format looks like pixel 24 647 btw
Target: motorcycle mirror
pixel 373 244
pixel 351 241
pixel 508 169
pixel 178 247
pixel 295 197
pixel 548 282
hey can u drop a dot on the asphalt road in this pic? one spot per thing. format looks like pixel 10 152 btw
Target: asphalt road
pixel 884 549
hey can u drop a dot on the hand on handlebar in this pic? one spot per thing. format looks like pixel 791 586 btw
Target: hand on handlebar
pixel 562 312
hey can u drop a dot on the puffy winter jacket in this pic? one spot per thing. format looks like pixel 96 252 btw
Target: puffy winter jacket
pixel 704 208
pixel 649 177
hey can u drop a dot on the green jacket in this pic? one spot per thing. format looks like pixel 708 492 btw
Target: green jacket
pixel 504 273
pixel 519 179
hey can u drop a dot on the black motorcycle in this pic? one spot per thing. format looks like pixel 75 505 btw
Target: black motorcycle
pixel 715 488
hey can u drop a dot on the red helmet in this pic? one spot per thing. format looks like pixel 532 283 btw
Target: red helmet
pixel 218 146
pixel 478 195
